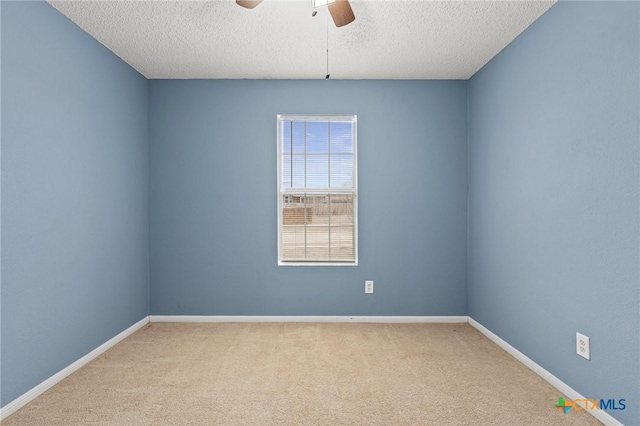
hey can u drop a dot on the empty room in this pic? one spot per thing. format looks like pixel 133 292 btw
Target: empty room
pixel 350 212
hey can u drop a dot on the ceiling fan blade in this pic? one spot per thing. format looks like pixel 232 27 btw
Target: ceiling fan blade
pixel 249 4
pixel 341 12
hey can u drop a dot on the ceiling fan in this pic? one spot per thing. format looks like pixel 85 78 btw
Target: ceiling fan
pixel 340 10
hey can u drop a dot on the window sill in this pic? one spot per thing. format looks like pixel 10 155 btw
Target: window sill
pixel 281 263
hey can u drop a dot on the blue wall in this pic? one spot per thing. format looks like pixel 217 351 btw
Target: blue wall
pixel 74 195
pixel 213 199
pixel 554 196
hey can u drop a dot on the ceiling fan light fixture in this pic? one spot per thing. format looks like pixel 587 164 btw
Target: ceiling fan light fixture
pixel 319 3
pixel 340 10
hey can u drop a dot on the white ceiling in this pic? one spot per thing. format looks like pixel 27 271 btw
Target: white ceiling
pixel 281 40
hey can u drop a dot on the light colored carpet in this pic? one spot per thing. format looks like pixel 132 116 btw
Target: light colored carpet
pixel 301 374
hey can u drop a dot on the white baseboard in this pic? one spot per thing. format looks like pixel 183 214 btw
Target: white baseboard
pixel 565 389
pixel 30 395
pixel 359 319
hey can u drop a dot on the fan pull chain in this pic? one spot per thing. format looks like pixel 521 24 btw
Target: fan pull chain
pixel 327 25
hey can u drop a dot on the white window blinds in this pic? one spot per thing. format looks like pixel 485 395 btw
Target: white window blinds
pixel 317 204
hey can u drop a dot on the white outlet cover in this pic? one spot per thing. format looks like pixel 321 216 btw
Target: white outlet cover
pixel 368 286
pixel 583 346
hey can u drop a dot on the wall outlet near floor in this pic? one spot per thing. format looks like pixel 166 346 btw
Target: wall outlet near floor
pixel 583 347
pixel 368 286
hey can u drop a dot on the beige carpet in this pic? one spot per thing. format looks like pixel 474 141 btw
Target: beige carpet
pixel 301 374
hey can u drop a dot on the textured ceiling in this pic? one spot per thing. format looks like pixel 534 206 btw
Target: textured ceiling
pixel 281 40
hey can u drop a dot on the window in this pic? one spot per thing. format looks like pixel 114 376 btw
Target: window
pixel 317 190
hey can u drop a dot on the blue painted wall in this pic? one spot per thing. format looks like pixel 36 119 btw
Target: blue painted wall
pixel 74 195
pixel 554 196
pixel 213 199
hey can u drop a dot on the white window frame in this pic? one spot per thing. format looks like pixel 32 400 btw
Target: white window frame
pixel 281 191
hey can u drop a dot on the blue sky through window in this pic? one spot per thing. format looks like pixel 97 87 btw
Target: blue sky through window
pixel 317 154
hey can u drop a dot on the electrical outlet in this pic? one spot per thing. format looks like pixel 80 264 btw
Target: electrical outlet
pixel 583 347
pixel 368 286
